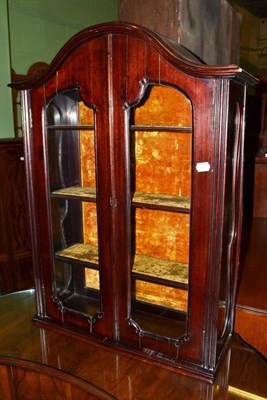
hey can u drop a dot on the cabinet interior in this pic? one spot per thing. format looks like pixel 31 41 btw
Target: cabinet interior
pixel 159 141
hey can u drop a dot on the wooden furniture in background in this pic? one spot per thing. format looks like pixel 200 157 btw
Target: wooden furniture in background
pixel 17 105
pixel 35 69
pixel 208 28
pixel 260 160
pixel 260 188
pixel 261 92
pixel 135 187
pixel 251 308
pixel 16 270
pixel 243 375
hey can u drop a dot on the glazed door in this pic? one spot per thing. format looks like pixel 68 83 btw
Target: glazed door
pixel 162 290
pixel 72 179
pixel 159 146
pixel 74 215
pixel 122 255
pixel 152 149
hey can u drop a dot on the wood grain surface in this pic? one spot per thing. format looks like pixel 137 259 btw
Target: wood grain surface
pixel 123 376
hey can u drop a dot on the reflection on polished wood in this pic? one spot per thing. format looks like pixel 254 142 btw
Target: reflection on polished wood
pixel 242 376
pixel 23 380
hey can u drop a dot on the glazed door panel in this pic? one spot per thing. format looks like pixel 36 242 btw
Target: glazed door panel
pixel 75 175
pixel 71 165
pixel 159 155
pixel 159 224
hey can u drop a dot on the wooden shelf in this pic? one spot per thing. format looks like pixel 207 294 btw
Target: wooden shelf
pixel 146 128
pixel 84 192
pixel 144 268
pixel 139 199
pixel 70 127
pixel 155 200
pixel 166 272
pixel 80 252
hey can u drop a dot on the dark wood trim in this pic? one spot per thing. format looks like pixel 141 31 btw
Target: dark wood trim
pixel 160 45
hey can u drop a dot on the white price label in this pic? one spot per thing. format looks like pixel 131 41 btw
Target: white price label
pixel 203 166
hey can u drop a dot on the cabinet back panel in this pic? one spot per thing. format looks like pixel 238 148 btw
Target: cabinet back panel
pixel 87 155
pixel 161 295
pixel 87 147
pixel 164 106
pixel 162 162
pixel 162 234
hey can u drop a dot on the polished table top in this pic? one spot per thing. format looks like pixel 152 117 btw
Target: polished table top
pixel 243 376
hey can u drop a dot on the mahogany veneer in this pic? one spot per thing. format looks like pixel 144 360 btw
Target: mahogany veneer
pixel 22 380
pixel 145 255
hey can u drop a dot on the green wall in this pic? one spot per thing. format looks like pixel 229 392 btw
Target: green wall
pixel 6 112
pixel 37 30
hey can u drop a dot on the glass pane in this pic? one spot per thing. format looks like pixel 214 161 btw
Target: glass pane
pixel 71 166
pixel 72 291
pixel 160 181
pixel 230 222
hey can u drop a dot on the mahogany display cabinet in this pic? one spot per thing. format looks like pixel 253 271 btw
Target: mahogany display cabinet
pixel 134 153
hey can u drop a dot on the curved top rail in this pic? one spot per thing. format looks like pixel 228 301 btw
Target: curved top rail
pixel 175 53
